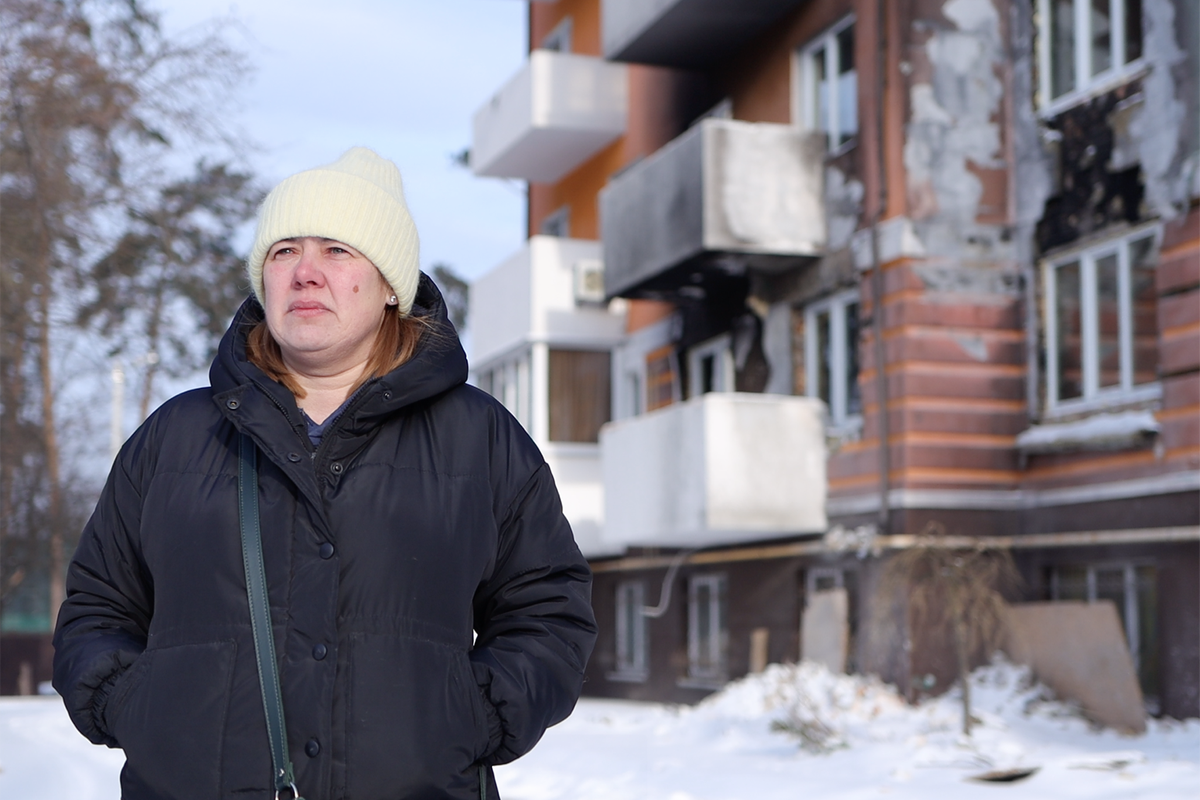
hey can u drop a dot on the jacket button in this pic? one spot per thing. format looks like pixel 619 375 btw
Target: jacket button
pixel 387 395
pixel 326 550
pixel 312 748
pixel 319 652
pixel 293 457
pixel 232 404
pixel 336 468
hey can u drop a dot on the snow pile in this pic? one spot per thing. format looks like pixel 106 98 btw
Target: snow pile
pixel 795 731
pixel 802 731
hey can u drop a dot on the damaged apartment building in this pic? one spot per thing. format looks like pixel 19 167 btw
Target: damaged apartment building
pixel 806 276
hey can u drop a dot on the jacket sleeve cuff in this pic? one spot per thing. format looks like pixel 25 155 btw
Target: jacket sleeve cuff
pixel 498 750
pixel 99 705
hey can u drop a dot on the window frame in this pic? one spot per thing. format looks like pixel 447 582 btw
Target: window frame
pixel 720 348
pixel 805 82
pixel 713 665
pixel 632 648
pixel 1116 74
pixel 840 418
pixel 510 380
pixel 1095 397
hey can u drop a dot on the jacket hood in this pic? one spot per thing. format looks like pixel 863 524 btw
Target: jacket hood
pixel 438 365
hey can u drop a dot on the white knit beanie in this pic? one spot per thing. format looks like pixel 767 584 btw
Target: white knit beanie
pixel 357 199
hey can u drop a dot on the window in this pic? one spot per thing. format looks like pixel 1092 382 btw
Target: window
pixel 708 636
pixel 580 400
pixel 1085 43
pixel 559 37
pixel 827 82
pixel 1101 325
pixel 660 378
pixel 831 332
pixel 509 383
pixel 710 367
pixel 557 223
pixel 632 662
pixel 1132 589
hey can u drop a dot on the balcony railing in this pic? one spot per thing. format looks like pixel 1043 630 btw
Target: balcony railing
pixel 554 114
pixel 724 188
pixel 690 34
pixel 717 469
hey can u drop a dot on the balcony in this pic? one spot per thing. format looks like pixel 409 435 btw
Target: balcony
pixel 727 194
pixel 688 34
pixel 539 294
pixel 554 114
pixel 717 469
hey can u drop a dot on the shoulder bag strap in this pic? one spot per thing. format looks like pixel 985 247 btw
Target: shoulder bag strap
pixel 260 618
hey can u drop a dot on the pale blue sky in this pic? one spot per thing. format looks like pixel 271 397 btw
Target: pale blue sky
pixel 401 76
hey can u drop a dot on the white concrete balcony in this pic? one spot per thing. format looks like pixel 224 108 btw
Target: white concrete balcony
pixel 546 298
pixel 539 294
pixel 725 194
pixel 554 114
pixel 717 469
pixel 689 34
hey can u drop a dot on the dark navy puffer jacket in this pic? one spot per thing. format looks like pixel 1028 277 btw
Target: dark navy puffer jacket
pixel 425 514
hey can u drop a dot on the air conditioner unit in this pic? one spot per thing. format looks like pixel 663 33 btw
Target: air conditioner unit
pixel 589 282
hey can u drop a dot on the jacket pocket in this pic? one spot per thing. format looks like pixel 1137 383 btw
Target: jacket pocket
pixel 416 720
pixel 169 717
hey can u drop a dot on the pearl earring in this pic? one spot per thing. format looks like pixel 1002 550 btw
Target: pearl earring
pixel 392 300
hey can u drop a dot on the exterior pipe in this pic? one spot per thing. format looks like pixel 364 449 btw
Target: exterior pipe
pixel 881 389
pixel 812 547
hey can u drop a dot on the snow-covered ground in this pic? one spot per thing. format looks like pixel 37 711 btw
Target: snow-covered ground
pixel 792 732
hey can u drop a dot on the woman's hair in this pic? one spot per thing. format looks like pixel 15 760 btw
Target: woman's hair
pixel 395 343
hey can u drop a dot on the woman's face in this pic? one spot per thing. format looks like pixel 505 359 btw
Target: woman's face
pixel 324 304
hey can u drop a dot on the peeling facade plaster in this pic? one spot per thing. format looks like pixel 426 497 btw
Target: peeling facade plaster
pixel 843 207
pixel 1159 129
pixel 955 125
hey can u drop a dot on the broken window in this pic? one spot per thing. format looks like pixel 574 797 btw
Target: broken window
pixel 827 97
pixel 1101 325
pixel 1084 43
pixel 708 636
pixel 632 661
pixel 1132 589
pixel 580 399
pixel 831 334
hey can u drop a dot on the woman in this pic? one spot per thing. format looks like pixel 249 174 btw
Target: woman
pixel 402 511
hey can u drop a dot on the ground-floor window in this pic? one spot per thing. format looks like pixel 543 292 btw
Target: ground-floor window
pixel 708 632
pixel 632 661
pixel 1132 589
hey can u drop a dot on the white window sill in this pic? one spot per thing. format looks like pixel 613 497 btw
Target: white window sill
pixel 1113 399
pixel 628 677
pixel 1120 431
pixel 1098 86
pixel 848 431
